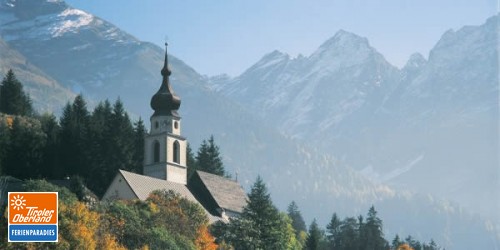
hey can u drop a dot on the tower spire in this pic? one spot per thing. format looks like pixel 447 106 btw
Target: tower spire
pixel 165 101
pixel 165 72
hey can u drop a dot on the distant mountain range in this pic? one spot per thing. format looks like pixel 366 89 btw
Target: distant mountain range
pixel 431 126
pixel 336 131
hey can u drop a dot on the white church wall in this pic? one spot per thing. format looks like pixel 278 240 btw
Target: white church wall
pixel 119 189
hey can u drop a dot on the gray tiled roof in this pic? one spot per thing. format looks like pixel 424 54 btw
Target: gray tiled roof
pixel 143 185
pixel 227 193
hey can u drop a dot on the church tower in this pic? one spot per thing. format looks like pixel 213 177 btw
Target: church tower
pixel 165 148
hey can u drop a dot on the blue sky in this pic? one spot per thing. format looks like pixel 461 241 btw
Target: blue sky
pixel 224 36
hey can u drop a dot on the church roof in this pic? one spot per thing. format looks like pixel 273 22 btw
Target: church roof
pixel 165 101
pixel 227 193
pixel 143 185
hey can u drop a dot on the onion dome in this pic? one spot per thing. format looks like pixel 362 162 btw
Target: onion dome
pixel 165 102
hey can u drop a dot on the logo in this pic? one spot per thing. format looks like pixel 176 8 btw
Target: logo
pixel 32 216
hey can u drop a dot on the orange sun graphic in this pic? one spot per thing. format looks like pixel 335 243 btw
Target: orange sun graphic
pixel 18 202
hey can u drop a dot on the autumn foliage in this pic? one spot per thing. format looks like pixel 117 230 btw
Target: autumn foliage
pixel 405 247
pixel 204 240
pixel 164 221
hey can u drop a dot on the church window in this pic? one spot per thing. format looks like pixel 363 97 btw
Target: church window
pixel 156 124
pixel 176 152
pixel 176 125
pixel 156 152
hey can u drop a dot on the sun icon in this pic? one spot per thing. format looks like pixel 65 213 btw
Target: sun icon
pixel 18 202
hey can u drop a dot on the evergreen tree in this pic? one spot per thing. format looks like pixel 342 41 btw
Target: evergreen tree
pixel 260 226
pixel 100 145
pixel 138 159
pixel 24 154
pixel 432 245
pixel 122 133
pixel 349 237
pixel 415 244
pixel 333 231
pixel 74 147
pixel 396 242
pixel 190 161
pixel 113 139
pixel 372 231
pixel 13 100
pixel 50 163
pixel 297 221
pixel 314 237
pixel 208 158
pixel 262 212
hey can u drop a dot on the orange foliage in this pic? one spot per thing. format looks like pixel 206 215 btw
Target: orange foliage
pixel 81 227
pixel 405 247
pixel 109 242
pixel 204 240
pixel 10 121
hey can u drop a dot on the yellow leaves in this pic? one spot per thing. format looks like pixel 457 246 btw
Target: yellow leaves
pixel 109 242
pixel 10 121
pixel 204 240
pixel 81 228
pixel 153 208
pixel 405 247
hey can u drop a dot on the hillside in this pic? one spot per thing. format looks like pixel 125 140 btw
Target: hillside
pixel 299 123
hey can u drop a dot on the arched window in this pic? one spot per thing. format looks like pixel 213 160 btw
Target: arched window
pixel 156 152
pixel 176 152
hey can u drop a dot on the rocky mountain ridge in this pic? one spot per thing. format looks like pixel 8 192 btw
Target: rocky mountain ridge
pixel 270 123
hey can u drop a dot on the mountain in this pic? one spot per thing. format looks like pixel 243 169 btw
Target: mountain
pixel 257 131
pixel 84 53
pixel 46 93
pixel 428 127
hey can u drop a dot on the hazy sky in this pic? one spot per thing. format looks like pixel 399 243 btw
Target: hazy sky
pixel 224 36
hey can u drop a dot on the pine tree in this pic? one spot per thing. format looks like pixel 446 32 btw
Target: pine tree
pixel 314 237
pixel 413 243
pixel 123 138
pixel 297 221
pixel 13 100
pixel 138 159
pixel 260 226
pixel 113 137
pixel 372 231
pixel 190 161
pixel 24 154
pixel 50 163
pixel 333 230
pixel 100 145
pixel 396 242
pixel 74 147
pixel 208 158
pixel 349 236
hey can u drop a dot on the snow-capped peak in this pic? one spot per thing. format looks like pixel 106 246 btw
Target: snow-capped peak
pixel 29 9
pixel 344 39
pixel 344 49
pixel 271 59
pixel 71 20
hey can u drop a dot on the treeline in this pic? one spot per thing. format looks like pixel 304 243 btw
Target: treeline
pixel 164 220
pixel 263 226
pixel 95 144
pixel 89 144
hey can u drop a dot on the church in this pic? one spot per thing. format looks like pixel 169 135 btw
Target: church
pixel 165 164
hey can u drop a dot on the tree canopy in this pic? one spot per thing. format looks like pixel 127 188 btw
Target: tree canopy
pixel 13 99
